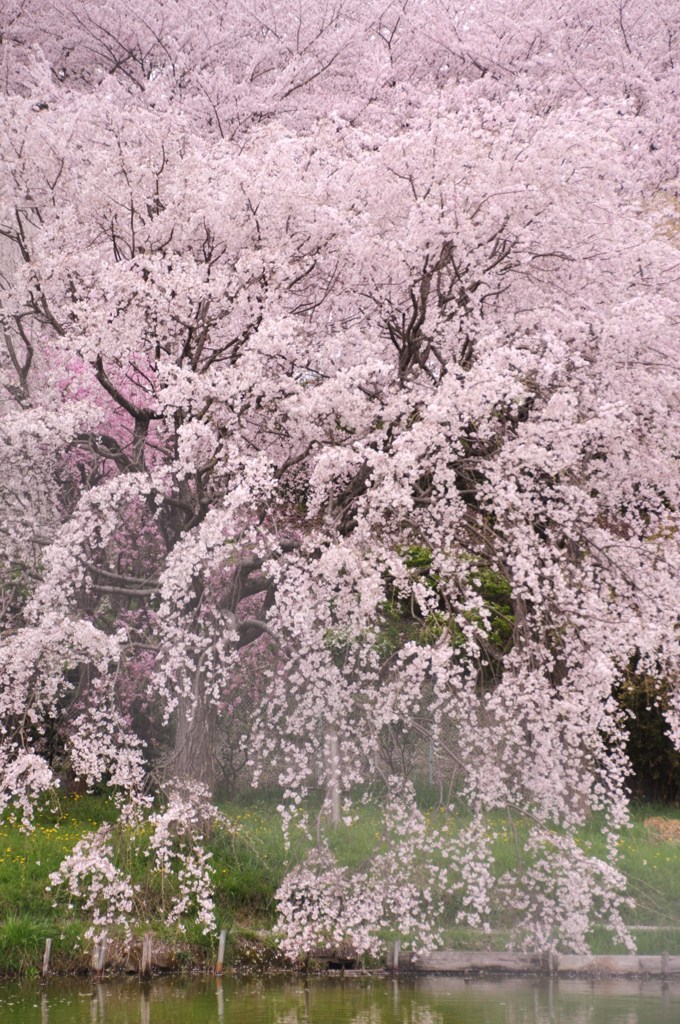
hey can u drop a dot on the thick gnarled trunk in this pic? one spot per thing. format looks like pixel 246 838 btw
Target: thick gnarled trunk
pixel 193 757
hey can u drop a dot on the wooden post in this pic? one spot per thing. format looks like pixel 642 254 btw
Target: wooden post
pixel 664 965
pixel 220 951
pixel 101 958
pixel 46 959
pixel 145 968
pixel 551 965
pixel 95 957
pixel 396 950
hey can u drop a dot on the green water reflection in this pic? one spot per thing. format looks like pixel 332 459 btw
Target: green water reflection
pixel 336 1001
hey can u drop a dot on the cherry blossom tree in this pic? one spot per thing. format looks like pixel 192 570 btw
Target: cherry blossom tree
pixel 318 315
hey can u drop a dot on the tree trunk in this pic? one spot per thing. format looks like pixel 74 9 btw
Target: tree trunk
pixel 333 773
pixel 193 757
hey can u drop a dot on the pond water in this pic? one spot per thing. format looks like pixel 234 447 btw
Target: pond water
pixel 434 1000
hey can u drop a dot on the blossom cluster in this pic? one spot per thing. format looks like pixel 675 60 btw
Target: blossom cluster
pixel 339 375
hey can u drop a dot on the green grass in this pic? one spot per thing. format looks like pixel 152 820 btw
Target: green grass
pixel 250 860
pixel 22 943
pixel 26 859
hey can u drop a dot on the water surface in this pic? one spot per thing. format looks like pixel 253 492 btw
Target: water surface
pixel 435 1000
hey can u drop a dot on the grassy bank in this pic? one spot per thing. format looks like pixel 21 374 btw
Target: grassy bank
pixel 249 862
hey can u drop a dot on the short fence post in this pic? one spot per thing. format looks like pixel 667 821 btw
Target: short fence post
pixel 664 965
pixel 46 958
pixel 220 951
pixel 396 950
pixel 95 957
pixel 145 968
pixel 101 958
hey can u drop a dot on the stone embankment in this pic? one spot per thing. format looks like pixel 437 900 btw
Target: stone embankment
pixel 564 965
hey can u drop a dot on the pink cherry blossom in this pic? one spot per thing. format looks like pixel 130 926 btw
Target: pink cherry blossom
pixel 290 294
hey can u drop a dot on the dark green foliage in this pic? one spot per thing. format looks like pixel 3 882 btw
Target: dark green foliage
pixel 654 759
pixel 404 621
